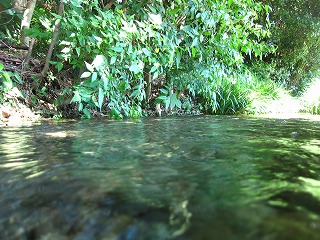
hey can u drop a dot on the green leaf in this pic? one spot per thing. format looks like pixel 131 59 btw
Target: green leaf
pixel 1 66
pixel 135 93
pixel 94 76
pixel 153 69
pixel 155 75
pixel 194 52
pixel 17 78
pixel 164 91
pixel 76 97
pixel 178 59
pixel 87 113
pixel 117 49
pixel 162 98
pixel 105 82
pixel 82 41
pixel 100 97
pixel 167 102
pixel 59 66
pixel 146 52
pixel 56 15
pixel 78 51
pixel 8 84
pixel 173 100
pixel 6 76
pixel 80 107
pixel 113 60
pixel 174 11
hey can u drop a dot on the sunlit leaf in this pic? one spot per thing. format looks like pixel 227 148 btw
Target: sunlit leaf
pixel 65 50
pixel 89 66
pixel 153 69
pixel 76 97
pixel 98 61
pixel 100 97
pixel 80 107
pixel 94 76
pixel 113 60
pixel 85 75
pixel 155 75
pixel 117 49
pixel 135 68
pixel 105 83
pixel 155 18
pixel 146 51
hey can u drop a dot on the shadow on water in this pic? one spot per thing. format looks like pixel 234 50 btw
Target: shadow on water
pixel 171 178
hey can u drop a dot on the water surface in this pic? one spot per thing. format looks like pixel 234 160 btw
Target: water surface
pixel 200 177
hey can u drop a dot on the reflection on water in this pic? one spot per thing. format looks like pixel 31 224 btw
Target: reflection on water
pixel 171 178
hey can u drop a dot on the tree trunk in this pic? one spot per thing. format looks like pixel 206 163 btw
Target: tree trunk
pixel 148 82
pixel 26 20
pixel 28 57
pixel 53 41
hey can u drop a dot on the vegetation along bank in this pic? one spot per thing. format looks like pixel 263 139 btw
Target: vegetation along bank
pixel 75 58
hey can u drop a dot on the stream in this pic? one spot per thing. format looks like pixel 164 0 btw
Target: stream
pixel 194 177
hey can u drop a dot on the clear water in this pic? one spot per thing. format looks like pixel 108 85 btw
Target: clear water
pixel 201 177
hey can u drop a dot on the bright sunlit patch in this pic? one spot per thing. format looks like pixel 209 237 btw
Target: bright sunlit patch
pixel 311 97
pixel 313 94
pixel 313 146
pixel 17 164
pixel 290 116
pixel 311 185
pixel 155 18
pixel 57 134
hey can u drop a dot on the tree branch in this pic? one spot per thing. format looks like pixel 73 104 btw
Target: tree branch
pixel 53 41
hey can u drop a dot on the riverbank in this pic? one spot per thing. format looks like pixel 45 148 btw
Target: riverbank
pixel 17 115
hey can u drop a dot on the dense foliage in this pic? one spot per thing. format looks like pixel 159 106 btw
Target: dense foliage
pixel 296 34
pixel 126 58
